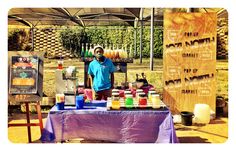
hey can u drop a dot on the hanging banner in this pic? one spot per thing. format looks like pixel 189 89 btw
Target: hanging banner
pixel 189 60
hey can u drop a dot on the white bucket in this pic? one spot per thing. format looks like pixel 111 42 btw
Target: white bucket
pixel 202 113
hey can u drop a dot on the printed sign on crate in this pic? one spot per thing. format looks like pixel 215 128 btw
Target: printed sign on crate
pixel 189 60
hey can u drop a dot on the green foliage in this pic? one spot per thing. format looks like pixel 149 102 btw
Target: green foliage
pixel 72 38
pixel 120 36
pixel 18 40
pixel 158 42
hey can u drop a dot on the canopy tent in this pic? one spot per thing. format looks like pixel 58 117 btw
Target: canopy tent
pixel 73 16
pixel 85 17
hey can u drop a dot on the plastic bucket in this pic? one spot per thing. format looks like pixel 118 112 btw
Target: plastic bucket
pixel 186 118
pixel 202 113
pixel 60 105
pixel 79 101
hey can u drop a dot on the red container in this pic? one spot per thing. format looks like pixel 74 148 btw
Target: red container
pixel 142 101
pixel 60 64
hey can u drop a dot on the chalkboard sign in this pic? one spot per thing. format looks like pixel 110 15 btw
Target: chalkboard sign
pixel 24 75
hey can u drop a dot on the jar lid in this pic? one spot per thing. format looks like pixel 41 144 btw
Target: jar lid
pixel 115 90
pixel 155 95
pixel 116 94
pixel 129 96
pixel 129 93
pixel 142 95
pixel 139 90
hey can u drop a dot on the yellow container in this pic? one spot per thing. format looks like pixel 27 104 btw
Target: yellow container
pixel 150 95
pixel 156 102
pixel 115 103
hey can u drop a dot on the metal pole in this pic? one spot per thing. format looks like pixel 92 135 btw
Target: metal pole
pixel 135 43
pixel 192 10
pixel 151 39
pixel 141 34
pixel 32 38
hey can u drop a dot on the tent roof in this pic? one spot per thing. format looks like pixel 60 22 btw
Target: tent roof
pixel 84 17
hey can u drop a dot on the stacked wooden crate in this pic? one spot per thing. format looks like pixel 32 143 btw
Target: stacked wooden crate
pixel 222 38
pixel 47 40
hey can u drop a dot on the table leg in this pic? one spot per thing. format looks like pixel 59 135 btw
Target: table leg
pixel 38 108
pixel 28 121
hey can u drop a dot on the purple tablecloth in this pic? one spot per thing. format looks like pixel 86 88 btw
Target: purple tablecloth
pixel 122 126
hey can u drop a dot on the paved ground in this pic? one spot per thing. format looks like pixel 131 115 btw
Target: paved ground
pixel 215 132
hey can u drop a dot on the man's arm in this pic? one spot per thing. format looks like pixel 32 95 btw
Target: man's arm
pixel 112 80
pixel 91 80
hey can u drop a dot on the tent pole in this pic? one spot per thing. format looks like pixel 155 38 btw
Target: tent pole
pixel 141 34
pixel 151 39
pixel 32 37
pixel 135 43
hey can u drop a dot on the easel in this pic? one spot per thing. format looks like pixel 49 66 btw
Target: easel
pixel 28 124
pixel 33 62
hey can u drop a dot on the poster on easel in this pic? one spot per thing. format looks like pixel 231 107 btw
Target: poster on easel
pixel 24 74
pixel 189 60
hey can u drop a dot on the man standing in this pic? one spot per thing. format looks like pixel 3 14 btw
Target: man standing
pixel 101 74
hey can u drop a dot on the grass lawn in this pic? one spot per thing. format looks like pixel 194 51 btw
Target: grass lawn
pixel 154 77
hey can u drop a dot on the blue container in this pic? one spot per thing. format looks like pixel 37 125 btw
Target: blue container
pixel 79 101
pixel 60 106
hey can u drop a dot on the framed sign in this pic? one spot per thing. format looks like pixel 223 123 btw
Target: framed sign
pixel 189 60
pixel 24 75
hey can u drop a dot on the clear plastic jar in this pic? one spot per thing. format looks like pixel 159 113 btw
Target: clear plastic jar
pixel 156 102
pixel 138 94
pixel 129 102
pixel 109 101
pixel 142 100
pixel 115 104
pixel 150 95
pixel 127 93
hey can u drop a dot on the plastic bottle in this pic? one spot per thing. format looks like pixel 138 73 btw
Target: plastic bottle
pixel 86 51
pixel 117 56
pixel 108 54
pixel 86 54
pixel 82 52
pixel 90 54
pixel 105 51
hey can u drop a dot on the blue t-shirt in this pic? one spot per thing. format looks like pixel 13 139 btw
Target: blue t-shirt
pixel 101 72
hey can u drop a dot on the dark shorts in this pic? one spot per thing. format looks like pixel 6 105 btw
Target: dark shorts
pixel 102 95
